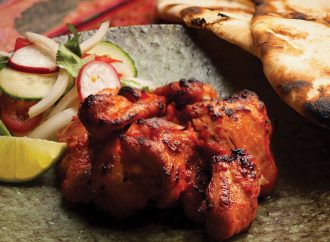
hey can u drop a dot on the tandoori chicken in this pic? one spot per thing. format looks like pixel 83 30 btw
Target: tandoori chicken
pixel 180 145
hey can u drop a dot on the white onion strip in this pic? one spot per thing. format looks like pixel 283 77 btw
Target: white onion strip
pixel 2 53
pixel 43 42
pixel 52 125
pixel 65 102
pixel 54 94
pixel 96 38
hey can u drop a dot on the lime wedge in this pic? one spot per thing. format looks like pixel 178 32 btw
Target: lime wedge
pixel 22 158
pixel 3 130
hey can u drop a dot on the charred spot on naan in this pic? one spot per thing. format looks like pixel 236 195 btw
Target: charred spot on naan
pixel 286 88
pixel 199 17
pixel 198 21
pixel 230 24
pixel 319 111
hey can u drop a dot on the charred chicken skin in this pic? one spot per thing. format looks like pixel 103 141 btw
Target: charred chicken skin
pixel 186 92
pixel 180 144
pixel 238 122
pixel 155 152
pixel 104 113
pixel 74 170
pixel 232 195
pixel 112 191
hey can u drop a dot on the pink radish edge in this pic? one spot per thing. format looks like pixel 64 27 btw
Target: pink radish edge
pixel 19 65
pixel 80 79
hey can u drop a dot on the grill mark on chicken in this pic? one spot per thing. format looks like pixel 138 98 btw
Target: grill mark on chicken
pixel 141 140
pixel 229 112
pixel 174 146
pixel 132 94
pixel 186 92
pixel 248 168
pixel 214 114
pixel 188 83
pixel 106 167
pixel 225 193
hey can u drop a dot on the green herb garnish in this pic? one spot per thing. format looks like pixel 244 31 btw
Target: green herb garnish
pixel 68 60
pixel 3 61
pixel 73 42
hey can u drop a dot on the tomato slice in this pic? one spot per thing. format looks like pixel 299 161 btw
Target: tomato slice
pixel 20 43
pixel 14 114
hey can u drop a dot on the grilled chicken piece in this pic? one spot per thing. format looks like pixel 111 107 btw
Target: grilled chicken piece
pixel 186 92
pixel 198 152
pixel 74 169
pixel 112 191
pixel 132 94
pixel 155 153
pixel 102 114
pixel 232 195
pixel 238 122
pixel 193 199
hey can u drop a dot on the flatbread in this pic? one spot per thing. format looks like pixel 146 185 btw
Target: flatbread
pixel 229 20
pixel 310 10
pixel 170 10
pixel 291 37
pixel 296 56
pixel 232 26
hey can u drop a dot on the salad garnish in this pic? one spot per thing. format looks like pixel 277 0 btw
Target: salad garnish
pixel 3 61
pixel 73 42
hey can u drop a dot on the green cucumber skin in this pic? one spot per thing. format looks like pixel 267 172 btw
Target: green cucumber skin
pixel 20 98
pixel 128 57
pixel 135 71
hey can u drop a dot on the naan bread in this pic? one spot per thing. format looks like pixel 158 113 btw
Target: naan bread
pixel 232 26
pixel 229 20
pixel 311 10
pixel 171 9
pixel 296 56
pixel 291 37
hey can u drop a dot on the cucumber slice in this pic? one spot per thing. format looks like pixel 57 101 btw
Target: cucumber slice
pixel 139 83
pixel 126 68
pixel 3 130
pixel 26 86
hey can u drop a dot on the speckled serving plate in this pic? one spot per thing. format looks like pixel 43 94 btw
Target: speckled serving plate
pixel 298 210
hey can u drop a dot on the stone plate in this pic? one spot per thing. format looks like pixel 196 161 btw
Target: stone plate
pixel 298 210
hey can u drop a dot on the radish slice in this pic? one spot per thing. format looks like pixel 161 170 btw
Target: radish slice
pixel 96 38
pixel 51 126
pixel 54 94
pixel 43 42
pixel 33 60
pixel 96 76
